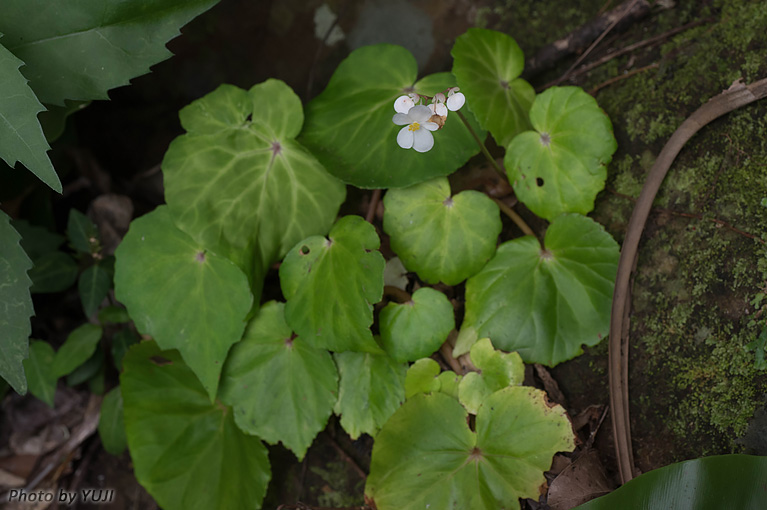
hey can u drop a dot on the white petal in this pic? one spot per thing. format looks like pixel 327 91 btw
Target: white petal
pixel 422 140
pixel 401 119
pixel 440 109
pixel 405 137
pixel 403 104
pixel 439 97
pixel 420 114
pixel 431 126
pixel 455 101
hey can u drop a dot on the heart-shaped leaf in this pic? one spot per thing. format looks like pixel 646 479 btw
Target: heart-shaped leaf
pixel 79 346
pixel 497 370
pixel 562 165
pixel 372 388
pixel 281 389
pixel 185 297
pixel 349 125
pixel 331 285
pixel 187 452
pixel 17 308
pixel 414 330
pixel 81 50
pixel 544 303
pixel 487 65
pixel 21 137
pixel 710 483
pixel 441 237
pixel 427 457
pixel 421 377
pixel 240 184
pixel 39 368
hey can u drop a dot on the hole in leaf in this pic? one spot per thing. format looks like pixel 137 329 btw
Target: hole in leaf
pixel 304 250
pixel 160 361
pixel 539 181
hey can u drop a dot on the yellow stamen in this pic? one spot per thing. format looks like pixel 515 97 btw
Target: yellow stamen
pixel 414 126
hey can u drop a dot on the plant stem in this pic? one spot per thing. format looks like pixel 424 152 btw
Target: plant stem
pixel 482 145
pixel 398 294
pixel 516 218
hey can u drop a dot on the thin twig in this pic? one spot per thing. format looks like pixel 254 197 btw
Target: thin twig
pixel 481 144
pixel 374 199
pixel 516 218
pixel 620 77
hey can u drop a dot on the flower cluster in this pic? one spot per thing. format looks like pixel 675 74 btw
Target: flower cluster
pixel 420 119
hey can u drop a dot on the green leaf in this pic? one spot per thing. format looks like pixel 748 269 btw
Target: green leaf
pixel 185 297
pixel 39 368
pixel 79 51
pixel 441 237
pixel 78 347
pixel 562 165
pixel 17 306
pixel 487 65
pixel 331 285
pixel 89 369
pixel 239 183
pixel 37 241
pixel 281 389
pixel 54 119
pixel 113 314
pixel 545 304
pixel 372 388
pixel 82 232
pixel 427 457
pixel 93 286
pixel 53 272
pixel 497 370
pixel 21 137
pixel 710 483
pixel 349 125
pixel 449 383
pixel 112 423
pixel 121 342
pixel 416 329
pixel 187 452
pixel 421 377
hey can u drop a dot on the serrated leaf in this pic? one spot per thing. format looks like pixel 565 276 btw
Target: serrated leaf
pixel 112 423
pixel 372 387
pixel 545 304
pixel 93 286
pixel 17 308
pixel 53 272
pixel 82 232
pixel 36 240
pixel 240 184
pixel 441 237
pixel 421 377
pixel 349 125
pixel 79 51
pixel 414 330
pixel 185 297
pixel 710 483
pixel 281 389
pixel 487 65
pixel 21 137
pixel 331 285
pixel 561 165
pixel 427 457
pixel 187 452
pixel 78 347
pixel 497 370
pixel 39 369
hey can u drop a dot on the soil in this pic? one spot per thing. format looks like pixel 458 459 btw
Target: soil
pixel 694 386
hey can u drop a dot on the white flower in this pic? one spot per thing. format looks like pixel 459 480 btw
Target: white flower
pixel 403 104
pixel 416 133
pixel 438 106
pixel 455 99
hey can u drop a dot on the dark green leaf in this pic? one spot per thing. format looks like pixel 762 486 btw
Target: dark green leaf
pixel 80 50
pixel 331 285
pixel 185 297
pixel 82 232
pixel 113 314
pixel 710 483
pixel 21 137
pixel 78 347
pixel 112 423
pixel 187 452
pixel 93 286
pixel 87 370
pixel 37 241
pixel 39 368
pixel 349 125
pixel 121 342
pixel 16 306
pixel 53 272
pixel 281 389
